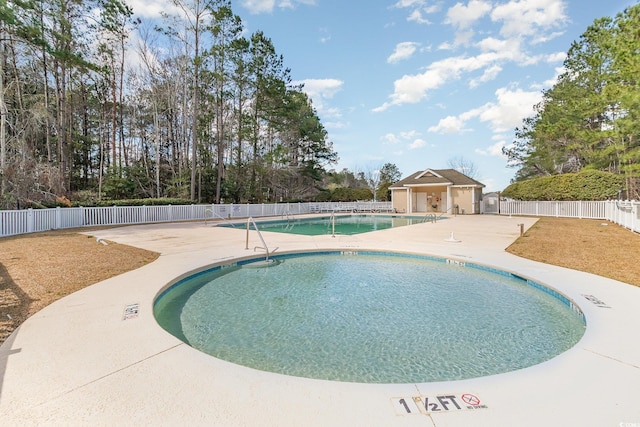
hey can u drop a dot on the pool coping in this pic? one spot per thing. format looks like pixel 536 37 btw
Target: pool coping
pixel 97 356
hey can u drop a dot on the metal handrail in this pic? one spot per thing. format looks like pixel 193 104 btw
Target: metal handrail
pixel 215 214
pixel 250 221
pixel 333 223
pixel 288 215
pixel 430 217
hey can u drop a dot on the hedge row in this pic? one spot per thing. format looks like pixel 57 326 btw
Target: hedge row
pixel 584 185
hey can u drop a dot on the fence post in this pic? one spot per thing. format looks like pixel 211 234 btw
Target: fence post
pixel 30 220
pixel 58 218
pixel 580 210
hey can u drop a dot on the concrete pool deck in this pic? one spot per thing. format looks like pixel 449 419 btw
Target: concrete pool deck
pixel 98 357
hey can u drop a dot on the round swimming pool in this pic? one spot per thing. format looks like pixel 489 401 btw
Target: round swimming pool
pixel 370 317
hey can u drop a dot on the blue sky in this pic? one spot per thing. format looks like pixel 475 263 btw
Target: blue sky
pixel 417 83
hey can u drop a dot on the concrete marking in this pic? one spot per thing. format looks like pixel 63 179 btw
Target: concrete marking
pixel 436 404
pixel 596 301
pixel 131 311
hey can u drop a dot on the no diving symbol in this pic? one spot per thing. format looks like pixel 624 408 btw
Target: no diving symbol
pixel 470 399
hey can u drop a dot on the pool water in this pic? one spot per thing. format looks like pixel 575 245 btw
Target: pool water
pixel 342 224
pixel 369 318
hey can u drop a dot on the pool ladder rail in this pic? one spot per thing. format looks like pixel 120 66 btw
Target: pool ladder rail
pixel 430 218
pixel 333 223
pixel 290 220
pixel 217 215
pixel 264 246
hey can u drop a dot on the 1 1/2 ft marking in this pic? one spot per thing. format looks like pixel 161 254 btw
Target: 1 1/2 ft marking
pixel 441 403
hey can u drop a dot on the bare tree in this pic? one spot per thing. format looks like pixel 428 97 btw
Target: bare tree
pixel 464 166
pixel 372 175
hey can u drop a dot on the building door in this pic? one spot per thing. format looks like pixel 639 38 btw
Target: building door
pixel 421 202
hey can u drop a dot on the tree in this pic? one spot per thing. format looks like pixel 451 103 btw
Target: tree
pixel 225 28
pixel 588 119
pixel 192 23
pixel 625 87
pixel 464 166
pixel 389 174
pixel 207 114
pixel 269 79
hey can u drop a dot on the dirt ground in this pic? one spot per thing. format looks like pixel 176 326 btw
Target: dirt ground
pixel 38 269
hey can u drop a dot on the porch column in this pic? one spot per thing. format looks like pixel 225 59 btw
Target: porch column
pixel 473 199
pixel 449 205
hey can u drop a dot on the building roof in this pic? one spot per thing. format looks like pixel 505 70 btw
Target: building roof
pixel 433 177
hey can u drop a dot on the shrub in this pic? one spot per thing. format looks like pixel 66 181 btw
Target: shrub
pixel 584 185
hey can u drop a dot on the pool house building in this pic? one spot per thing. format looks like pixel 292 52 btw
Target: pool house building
pixel 438 191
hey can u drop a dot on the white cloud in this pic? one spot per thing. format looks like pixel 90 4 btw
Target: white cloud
pixel 556 57
pixel 331 112
pixel 550 82
pixel 256 7
pixel 419 8
pixel 449 125
pixel 433 8
pixel 446 46
pixel 504 115
pixel 409 135
pixel 416 16
pixel 489 74
pixel 325 35
pixel 494 150
pixel 320 88
pixel 463 38
pixel 152 8
pixel 508 49
pixel 418 143
pixel 390 139
pixel 461 16
pixel 334 125
pixel 411 89
pixel 408 3
pixel 544 37
pixel 492 44
pixel 512 106
pixel 403 50
pixel 527 17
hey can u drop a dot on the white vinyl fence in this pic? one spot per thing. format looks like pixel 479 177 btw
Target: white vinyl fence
pixel 32 220
pixel 623 212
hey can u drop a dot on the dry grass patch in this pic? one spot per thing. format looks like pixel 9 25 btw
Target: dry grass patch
pixel 594 246
pixel 38 269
